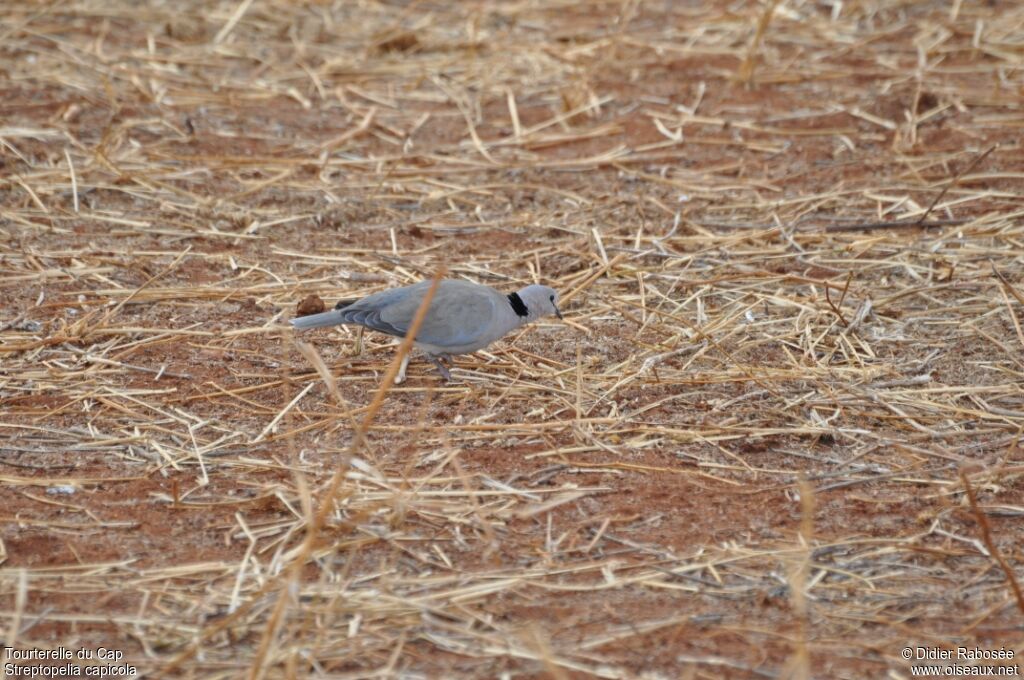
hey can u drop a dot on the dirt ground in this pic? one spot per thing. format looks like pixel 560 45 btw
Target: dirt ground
pixel 777 435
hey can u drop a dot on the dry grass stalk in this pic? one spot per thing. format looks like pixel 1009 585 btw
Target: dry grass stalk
pixel 986 537
pixel 791 277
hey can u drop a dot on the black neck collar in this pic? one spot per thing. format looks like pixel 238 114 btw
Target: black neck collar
pixel 518 306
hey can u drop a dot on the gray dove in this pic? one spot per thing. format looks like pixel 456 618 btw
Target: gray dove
pixel 463 317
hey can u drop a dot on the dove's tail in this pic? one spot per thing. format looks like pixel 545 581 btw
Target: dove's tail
pixel 335 317
pixel 331 318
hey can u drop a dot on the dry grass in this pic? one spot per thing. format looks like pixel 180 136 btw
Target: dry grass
pixel 778 435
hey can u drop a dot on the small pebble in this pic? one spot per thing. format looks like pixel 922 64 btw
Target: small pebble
pixel 312 304
pixel 61 490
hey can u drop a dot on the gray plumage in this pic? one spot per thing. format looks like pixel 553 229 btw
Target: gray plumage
pixel 463 317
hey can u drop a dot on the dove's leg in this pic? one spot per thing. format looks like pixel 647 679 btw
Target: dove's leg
pixel 440 367
pixel 358 349
pixel 400 378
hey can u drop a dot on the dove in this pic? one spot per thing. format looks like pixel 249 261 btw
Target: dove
pixel 462 318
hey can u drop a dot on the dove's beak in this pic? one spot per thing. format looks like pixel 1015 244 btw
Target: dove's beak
pixel 558 313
